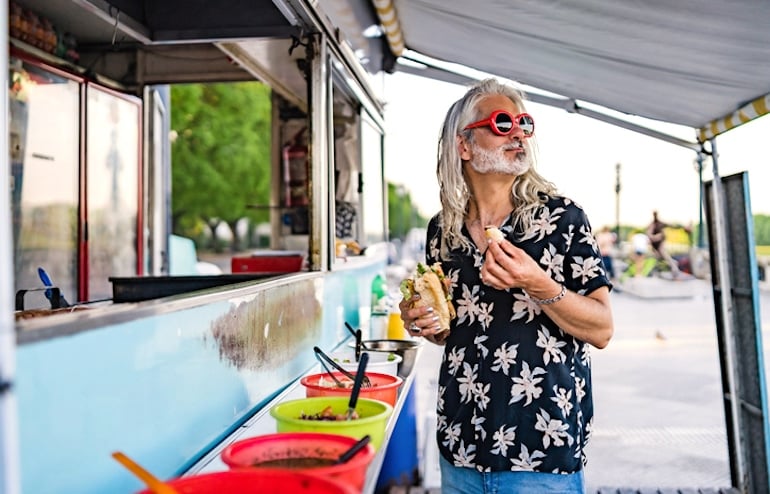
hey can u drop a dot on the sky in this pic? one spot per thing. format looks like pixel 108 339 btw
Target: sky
pixel 579 154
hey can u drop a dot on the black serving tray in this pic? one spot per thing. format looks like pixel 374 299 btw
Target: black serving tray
pixel 138 288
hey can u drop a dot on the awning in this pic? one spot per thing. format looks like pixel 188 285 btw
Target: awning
pixel 693 63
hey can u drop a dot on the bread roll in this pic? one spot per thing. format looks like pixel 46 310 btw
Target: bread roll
pixel 430 284
pixel 494 233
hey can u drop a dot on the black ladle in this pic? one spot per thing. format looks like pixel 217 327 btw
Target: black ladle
pixel 349 454
pixel 360 376
pixel 359 340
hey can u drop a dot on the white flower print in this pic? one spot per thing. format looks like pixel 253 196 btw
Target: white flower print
pixel 467 382
pixel 465 306
pixel 588 238
pixel 568 236
pixel 478 259
pixel 440 398
pixel 452 275
pixel 580 389
pixel 553 261
pixel 545 224
pixel 451 435
pixel 455 357
pixel 505 357
pixel 524 306
pixel 485 314
pixel 554 430
pixel 526 461
pixel 503 438
pixel 479 342
pixel 551 346
pixel 441 423
pixel 464 457
pixel 478 425
pixel 563 399
pixel 526 386
pixel 586 269
pixel 482 395
pixel 433 248
pixel 583 353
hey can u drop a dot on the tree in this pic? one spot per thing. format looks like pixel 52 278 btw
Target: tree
pixel 402 213
pixel 221 155
pixel 761 229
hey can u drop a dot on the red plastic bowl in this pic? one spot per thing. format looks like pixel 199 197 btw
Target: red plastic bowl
pixel 384 386
pixel 257 482
pixel 245 453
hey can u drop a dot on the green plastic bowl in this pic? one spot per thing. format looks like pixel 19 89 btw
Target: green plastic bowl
pixel 373 417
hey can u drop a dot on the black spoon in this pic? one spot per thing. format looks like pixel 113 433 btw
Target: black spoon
pixel 349 454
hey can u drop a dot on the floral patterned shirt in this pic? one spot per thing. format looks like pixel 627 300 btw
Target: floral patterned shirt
pixel 514 389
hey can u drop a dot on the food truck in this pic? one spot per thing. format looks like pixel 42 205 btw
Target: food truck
pixel 170 379
pixel 160 366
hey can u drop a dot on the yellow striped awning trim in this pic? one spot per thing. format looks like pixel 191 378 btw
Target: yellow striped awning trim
pixel 386 11
pixel 746 113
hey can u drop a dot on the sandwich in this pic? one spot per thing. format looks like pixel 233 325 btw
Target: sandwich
pixel 494 233
pixel 433 287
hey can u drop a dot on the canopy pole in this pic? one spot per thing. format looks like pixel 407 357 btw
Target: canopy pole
pixel 10 467
pixel 457 74
pixel 723 268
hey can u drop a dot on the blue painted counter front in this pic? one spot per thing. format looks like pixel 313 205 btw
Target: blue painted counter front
pixel 165 380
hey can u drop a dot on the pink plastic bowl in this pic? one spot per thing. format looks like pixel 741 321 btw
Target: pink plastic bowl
pixel 257 482
pixel 384 386
pixel 245 453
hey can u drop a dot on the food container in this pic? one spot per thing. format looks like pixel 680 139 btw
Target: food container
pixel 373 417
pixel 382 362
pixel 268 261
pixel 407 349
pixel 384 386
pixel 257 482
pixel 293 449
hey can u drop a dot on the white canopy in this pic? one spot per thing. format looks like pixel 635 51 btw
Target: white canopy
pixel 688 62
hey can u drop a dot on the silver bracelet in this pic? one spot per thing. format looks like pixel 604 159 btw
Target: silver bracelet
pixel 552 300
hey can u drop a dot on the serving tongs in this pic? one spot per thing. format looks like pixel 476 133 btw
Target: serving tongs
pixel 359 340
pixel 323 359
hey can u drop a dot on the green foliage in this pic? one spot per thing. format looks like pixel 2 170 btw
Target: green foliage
pixel 221 155
pixel 761 229
pixel 402 213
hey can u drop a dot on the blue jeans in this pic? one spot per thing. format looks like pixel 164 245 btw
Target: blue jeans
pixel 460 480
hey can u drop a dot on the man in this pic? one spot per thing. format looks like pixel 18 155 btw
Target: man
pixel 514 399
pixel 656 233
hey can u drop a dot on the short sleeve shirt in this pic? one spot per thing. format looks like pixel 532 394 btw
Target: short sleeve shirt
pixel 514 389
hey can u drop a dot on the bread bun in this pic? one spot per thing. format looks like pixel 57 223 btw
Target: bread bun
pixel 494 233
pixel 433 287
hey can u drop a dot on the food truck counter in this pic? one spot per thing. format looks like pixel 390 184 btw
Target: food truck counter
pixel 263 423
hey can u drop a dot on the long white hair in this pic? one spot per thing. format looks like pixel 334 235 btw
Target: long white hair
pixel 528 189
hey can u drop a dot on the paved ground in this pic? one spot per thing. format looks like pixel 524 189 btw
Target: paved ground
pixel 659 420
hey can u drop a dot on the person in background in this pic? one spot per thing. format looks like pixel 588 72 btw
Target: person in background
pixel 515 407
pixel 606 240
pixel 657 235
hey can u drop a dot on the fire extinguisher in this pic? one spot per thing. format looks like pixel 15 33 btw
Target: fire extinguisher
pixel 295 171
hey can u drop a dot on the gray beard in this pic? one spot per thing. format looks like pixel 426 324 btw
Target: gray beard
pixel 495 161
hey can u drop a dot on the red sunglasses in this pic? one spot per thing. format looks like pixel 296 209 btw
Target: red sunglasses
pixel 502 123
